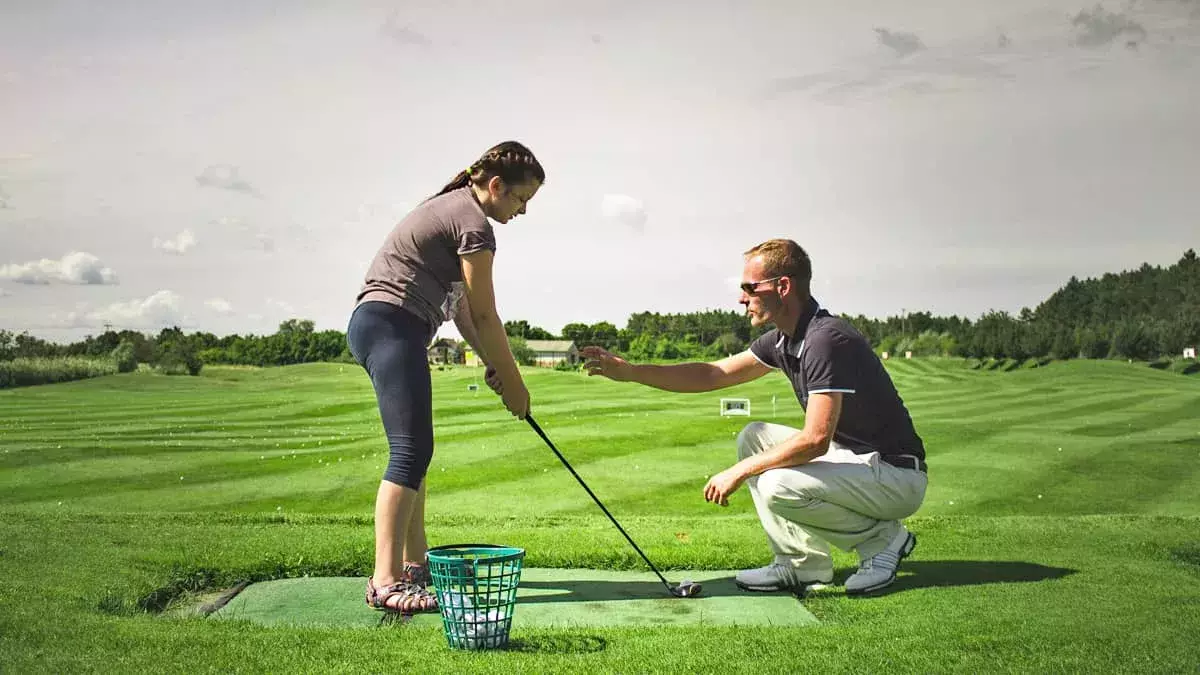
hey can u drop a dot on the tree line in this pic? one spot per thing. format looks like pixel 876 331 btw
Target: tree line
pixel 1143 314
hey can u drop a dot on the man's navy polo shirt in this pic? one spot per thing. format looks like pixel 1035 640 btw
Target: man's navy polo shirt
pixel 829 355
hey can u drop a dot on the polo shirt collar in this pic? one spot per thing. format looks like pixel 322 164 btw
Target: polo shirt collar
pixel 794 344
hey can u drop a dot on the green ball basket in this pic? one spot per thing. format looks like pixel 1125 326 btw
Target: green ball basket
pixel 476 586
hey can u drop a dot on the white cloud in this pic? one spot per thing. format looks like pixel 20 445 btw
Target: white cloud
pixel 396 29
pixel 281 306
pixel 225 177
pixel 1031 50
pixel 219 305
pixel 264 241
pixel 901 42
pixel 182 243
pixel 625 210
pixel 4 293
pixel 1098 27
pixel 76 267
pixel 248 236
pixel 160 310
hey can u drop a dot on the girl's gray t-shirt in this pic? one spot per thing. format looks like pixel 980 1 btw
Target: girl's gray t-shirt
pixel 417 266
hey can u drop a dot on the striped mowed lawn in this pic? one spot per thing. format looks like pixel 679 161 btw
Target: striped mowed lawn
pixel 1060 530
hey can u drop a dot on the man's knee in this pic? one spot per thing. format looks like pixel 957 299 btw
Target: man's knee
pixel 787 489
pixel 749 440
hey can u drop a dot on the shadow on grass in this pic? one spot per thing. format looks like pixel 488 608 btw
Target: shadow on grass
pixel 602 591
pixel 1188 555
pixel 940 573
pixel 915 574
pixel 556 644
pixel 531 644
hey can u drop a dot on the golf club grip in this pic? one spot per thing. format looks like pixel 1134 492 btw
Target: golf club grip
pixel 538 429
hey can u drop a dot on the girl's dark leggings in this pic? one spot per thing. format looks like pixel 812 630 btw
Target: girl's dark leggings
pixel 389 342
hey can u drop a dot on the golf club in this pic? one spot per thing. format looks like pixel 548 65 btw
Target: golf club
pixel 686 589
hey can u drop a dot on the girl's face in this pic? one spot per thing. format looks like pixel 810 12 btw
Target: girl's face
pixel 508 201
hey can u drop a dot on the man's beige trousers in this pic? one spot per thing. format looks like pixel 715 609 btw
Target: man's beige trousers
pixel 854 502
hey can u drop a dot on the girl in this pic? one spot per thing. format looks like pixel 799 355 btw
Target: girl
pixel 436 264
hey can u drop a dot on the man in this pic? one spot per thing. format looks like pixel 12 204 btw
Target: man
pixel 850 475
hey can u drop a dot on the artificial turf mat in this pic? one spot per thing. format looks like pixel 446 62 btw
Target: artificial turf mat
pixel 546 597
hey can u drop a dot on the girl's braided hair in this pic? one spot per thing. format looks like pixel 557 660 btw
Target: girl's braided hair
pixel 511 161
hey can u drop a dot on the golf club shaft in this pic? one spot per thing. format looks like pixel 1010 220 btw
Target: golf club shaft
pixel 538 429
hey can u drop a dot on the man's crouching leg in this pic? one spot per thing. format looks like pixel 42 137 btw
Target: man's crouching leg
pixel 801 557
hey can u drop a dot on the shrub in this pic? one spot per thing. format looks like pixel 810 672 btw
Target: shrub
pixel 179 358
pixel 25 372
pixel 728 343
pixel 125 356
pixel 566 366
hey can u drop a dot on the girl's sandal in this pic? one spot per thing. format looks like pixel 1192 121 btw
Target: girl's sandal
pixel 403 597
pixel 417 574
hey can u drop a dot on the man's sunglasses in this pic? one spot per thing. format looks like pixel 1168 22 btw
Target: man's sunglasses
pixel 750 287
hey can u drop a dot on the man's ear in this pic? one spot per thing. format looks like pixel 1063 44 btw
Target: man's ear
pixel 784 284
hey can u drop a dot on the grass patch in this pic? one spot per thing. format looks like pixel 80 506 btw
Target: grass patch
pixel 1060 523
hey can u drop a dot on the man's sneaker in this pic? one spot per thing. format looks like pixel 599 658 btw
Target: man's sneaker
pixel 777 577
pixel 879 571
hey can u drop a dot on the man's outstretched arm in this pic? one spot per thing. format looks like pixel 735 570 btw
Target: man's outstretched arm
pixel 679 377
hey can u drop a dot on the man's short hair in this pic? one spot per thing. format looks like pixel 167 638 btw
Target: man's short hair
pixel 784 258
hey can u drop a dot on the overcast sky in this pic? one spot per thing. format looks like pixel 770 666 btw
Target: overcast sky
pixel 227 165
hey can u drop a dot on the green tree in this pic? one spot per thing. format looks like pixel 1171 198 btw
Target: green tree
pixel 1064 345
pixel 665 348
pixel 1133 340
pixel 728 343
pixel 538 333
pixel 179 357
pixel 579 333
pixel 641 347
pixel 296 327
pixel 520 349
pixel 1093 342
pixel 516 328
pixel 125 356
pixel 604 334
pixel 1037 338
pixel 8 345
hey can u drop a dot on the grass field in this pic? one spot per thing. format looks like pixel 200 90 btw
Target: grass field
pixel 1061 531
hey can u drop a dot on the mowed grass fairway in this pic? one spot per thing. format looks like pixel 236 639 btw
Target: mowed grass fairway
pixel 1061 531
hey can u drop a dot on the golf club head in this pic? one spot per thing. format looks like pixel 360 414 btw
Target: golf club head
pixel 686 589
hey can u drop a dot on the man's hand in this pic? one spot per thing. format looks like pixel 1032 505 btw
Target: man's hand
pixel 600 361
pixel 493 381
pixel 722 485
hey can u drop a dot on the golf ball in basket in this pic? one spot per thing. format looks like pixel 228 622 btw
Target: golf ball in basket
pixel 476 627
